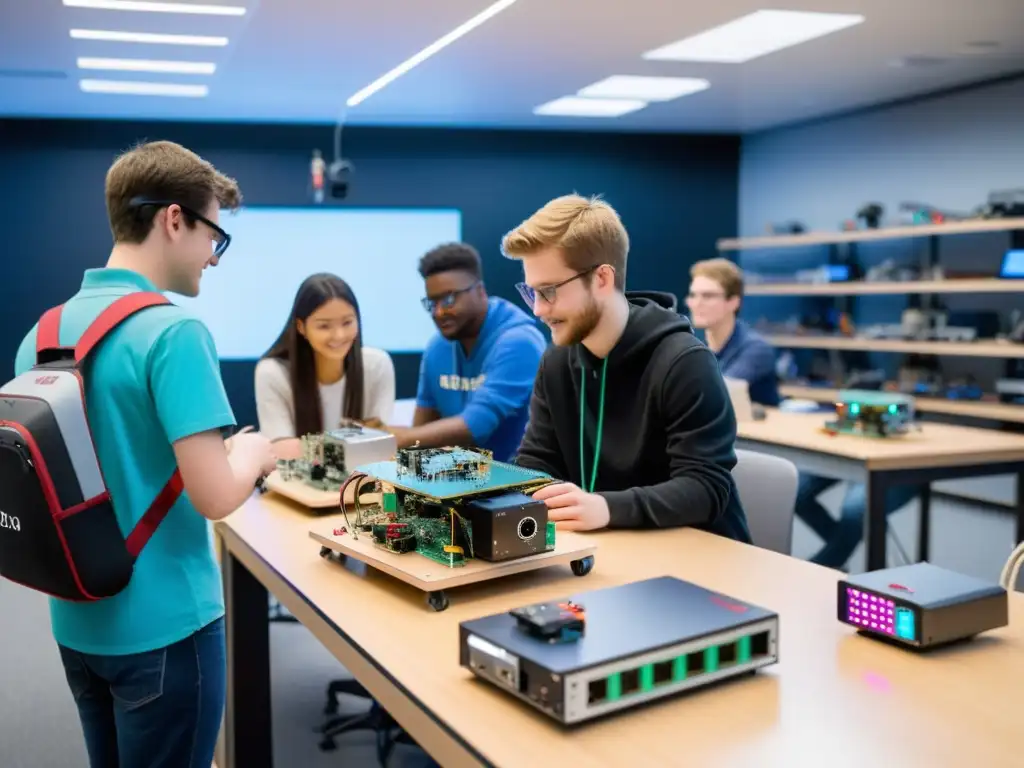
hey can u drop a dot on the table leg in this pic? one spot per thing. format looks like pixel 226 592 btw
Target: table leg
pixel 875 520
pixel 924 523
pixel 247 723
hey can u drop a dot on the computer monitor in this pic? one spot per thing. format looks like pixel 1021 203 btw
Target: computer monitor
pixel 1013 265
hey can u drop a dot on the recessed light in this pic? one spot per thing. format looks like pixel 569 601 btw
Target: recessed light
pixel 580 106
pixel 155 7
pixel 756 34
pixel 114 36
pixel 149 65
pixel 138 88
pixel 426 53
pixel 644 88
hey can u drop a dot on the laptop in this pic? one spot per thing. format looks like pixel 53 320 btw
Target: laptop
pixel 739 394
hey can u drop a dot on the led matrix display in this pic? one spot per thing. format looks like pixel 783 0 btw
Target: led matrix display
pixel 870 611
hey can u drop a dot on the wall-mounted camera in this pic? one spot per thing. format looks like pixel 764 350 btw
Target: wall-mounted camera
pixel 339 178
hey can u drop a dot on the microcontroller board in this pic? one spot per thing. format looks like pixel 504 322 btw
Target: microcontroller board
pixel 452 505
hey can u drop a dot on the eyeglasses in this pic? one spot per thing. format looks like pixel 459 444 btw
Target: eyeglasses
pixel 447 300
pixel 548 292
pixel 221 239
pixel 705 296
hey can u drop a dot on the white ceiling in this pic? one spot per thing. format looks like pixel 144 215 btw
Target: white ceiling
pixel 299 60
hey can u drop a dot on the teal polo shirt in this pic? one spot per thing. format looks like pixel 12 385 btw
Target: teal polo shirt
pixel 154 380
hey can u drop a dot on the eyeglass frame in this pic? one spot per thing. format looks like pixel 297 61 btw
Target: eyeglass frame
pixel 450 297
pixel 222 243
pixel 529 293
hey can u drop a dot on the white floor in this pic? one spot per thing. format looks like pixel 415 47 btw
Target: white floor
pixel 39 726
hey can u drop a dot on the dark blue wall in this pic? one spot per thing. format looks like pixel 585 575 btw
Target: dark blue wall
pixel 676 194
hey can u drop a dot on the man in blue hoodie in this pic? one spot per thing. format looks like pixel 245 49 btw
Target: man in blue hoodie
pixel 477 374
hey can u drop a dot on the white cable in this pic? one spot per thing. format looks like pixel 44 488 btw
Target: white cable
pixel 1015 574
pixel 1011 570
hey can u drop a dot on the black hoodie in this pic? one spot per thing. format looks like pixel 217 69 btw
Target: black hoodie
pixel 668 444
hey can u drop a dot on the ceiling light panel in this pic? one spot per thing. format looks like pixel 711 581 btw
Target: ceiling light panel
pixel 644 88
pixel 443 42
pixel 580 106
pixel 754 35
pixel 114 36
pixel 149 65
pixel 156 7
pixel 139 88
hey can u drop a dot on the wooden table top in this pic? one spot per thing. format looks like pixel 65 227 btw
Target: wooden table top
pixel 857 701
pixel 934 445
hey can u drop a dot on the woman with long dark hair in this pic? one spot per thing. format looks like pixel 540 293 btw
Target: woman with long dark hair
pixel 318 373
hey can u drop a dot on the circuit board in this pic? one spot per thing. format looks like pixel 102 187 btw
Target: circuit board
pixel 453 473
pixel 326 457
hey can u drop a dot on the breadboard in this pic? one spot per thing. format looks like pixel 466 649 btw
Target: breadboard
pixel 304 494
pixel 571 550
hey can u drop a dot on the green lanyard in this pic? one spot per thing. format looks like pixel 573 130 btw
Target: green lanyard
pixel 600 428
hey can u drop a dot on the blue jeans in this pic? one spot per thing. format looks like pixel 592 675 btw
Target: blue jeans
pixel 158 709
pixel 842 536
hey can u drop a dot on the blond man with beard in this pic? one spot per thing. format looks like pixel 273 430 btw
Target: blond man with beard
pixel 629 410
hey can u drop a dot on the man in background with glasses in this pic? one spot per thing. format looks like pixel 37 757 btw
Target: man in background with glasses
pixel 477 373
pixel 629 409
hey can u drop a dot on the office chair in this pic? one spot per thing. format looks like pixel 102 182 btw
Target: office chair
pixel 767 487
pixel 388 732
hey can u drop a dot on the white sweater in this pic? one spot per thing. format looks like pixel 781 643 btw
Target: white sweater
pixel 276 411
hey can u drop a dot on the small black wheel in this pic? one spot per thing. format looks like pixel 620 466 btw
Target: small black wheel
pixel 583 566
pixel 328 745
pixel 438 600
pixel 325 551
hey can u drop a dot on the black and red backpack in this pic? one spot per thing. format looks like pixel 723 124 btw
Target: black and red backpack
pixel 58 531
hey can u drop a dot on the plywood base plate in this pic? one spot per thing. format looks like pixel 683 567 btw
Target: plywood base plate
pixel 435 579
pixel 301 493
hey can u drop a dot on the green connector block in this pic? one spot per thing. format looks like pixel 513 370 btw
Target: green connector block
pixel 647 677
pixel 743 650
pixel 678 668
pixel 614 687
pixel 390 502
pixel 550 534
pixel 711 659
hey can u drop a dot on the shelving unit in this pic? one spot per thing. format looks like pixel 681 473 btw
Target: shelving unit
pixel 840 248
pixel 988 348
pixel 880 288
pixel 973 226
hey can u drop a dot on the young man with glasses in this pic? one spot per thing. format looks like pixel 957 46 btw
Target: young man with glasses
pixel 629 410
pixel 147 667
pixel 716 290
pixel 477 374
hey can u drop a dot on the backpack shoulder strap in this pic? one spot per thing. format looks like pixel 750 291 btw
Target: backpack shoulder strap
pixel 48 332
pixel 153 516
pixel 107 321
pixel 114 315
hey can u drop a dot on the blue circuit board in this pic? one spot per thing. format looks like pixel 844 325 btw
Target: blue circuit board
pixel 495 475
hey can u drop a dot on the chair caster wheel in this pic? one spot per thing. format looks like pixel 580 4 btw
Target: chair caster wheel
pixel 583 566
pixel 328 745
pixel 437 600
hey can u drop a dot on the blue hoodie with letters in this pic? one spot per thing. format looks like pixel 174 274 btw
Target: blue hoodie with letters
pixel 490 388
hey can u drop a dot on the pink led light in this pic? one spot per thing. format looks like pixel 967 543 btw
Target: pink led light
pixel 870 611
